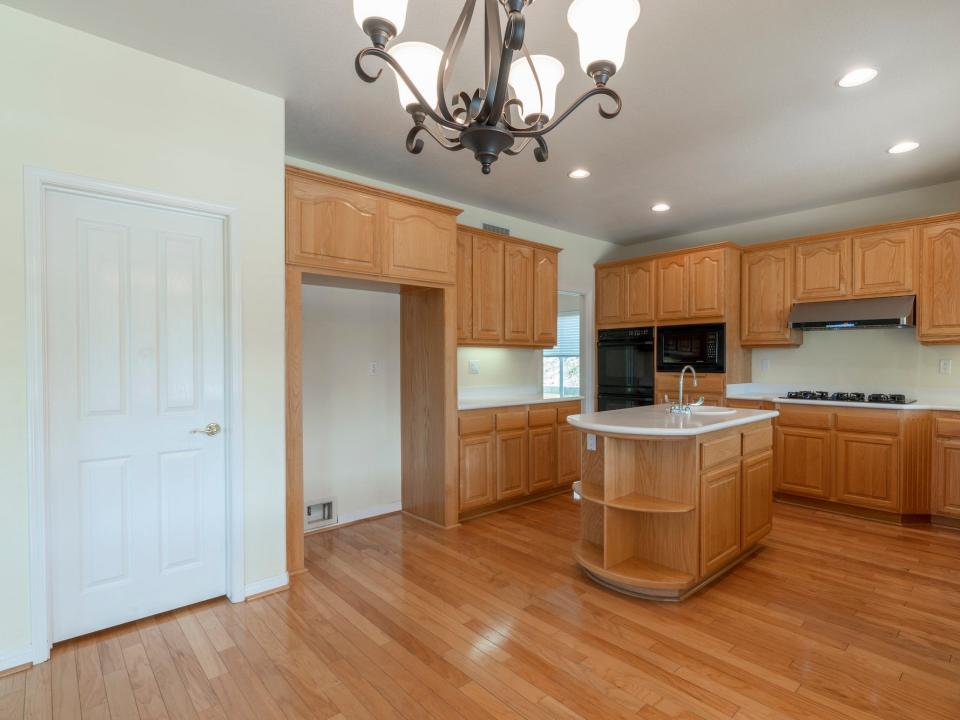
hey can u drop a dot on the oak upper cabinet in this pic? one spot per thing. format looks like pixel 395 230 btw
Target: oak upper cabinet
pixel 639 301
pixel 803 461
pixel 720 518
pixel 517 293
pixel 884 262
pixel 512 464
pixel 672 287
pixel 478 471
pixel 464 286
pixel 766 296
pixel 938 307
pixel 822 269
pixel 507 293
pixel 545 297
pixel 419 244
pixel 610 295
pixel 487 289
pixel 868 470
pixel 757 497
pixel 706 279
pixel 332 227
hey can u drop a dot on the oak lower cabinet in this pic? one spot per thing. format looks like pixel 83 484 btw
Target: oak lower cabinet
pixel 946 466
pixel 867 470
pixel 506 291
pixel 875 459
pixel 804 465
pixel 720 521
pixel 478 471
pixel 512 463
pixel 514 454
pixel 353 230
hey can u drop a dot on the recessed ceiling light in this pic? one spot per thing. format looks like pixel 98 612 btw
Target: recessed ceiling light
pixel 660 207
pixel 903 147
pixel 857 76
pixel 578 174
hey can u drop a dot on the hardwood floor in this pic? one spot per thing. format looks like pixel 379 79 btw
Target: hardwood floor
pixel 834 618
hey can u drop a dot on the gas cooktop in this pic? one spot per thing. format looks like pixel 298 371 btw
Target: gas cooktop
pixel 888 398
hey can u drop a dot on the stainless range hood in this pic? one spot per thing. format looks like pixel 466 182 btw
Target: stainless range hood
pixel 887 312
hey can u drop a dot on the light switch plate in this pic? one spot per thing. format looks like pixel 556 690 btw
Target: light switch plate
pixel 473 367
pixel 373 368
pixel 764 364
pixel 946 367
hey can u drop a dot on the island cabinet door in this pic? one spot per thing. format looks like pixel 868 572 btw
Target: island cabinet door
pixel 543 458
pixel 719 518
pixel 478 472
pixel 757 472
pixel 512 458
pixel 803 461
pixel 868 470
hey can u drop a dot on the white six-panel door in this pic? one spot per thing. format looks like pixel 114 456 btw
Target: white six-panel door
pixel 135 340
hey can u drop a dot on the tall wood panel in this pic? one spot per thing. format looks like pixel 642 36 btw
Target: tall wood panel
pixel 545 297
pixel 487 289
pixel 766 296
pixel 939 309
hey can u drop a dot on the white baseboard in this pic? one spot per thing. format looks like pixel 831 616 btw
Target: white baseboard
pixel 374 511
pixel 17 658
pixel 267 584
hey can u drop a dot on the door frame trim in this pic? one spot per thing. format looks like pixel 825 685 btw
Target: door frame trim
pixel 37 182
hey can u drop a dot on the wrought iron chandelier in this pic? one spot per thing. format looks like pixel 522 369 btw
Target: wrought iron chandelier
pixel 483 121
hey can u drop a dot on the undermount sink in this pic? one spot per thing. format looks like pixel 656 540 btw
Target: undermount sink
pixel 712 410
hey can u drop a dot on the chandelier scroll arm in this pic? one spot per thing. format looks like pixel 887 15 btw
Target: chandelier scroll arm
pixel 401 73
pixel 415 145
pixel 512 42
pixel 450 55
pixel 606 114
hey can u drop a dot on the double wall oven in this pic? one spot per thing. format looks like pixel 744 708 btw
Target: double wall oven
pixel 625 368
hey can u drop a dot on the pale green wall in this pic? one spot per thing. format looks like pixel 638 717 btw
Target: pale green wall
pixel 78 104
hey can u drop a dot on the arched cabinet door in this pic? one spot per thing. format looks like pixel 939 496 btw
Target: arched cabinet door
pixel 419 244
pixel 883 262
pixel 332 227
pixel 765 284
pixel 937 303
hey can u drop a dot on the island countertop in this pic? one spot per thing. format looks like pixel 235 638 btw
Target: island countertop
pixel 654 420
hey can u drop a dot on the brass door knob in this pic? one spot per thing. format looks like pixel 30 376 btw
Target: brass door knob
pixel 210 430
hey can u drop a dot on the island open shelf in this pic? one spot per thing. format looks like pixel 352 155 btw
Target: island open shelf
pixel 664 514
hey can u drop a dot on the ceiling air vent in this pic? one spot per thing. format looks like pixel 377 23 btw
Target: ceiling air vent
pixel 496 229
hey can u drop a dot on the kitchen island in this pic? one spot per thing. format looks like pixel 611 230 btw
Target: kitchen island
pixel 671 501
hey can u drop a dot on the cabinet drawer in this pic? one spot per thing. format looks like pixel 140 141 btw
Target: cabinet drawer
pixel 708 383
pixel 512 420
pixel 757 439
pixel 794 416
pixel 476 424
pixel 948 426
pixel 717 451
pixel 566 411
pixel 542 416
pixel 884 422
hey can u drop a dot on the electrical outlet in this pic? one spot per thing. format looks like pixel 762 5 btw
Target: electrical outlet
pixel 473 367
pixel 591 442
pixel 946 367
pixel 764 364
pixel 373 368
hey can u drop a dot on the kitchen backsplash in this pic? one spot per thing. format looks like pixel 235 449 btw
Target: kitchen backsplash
pixel 499 367
pixel 884 360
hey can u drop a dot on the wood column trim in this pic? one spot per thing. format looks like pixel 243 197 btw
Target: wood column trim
pixel 294 417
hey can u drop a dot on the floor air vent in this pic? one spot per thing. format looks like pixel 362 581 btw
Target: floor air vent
pixel 320 514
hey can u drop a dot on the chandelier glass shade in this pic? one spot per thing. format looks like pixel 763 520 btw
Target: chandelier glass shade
pixel 490 120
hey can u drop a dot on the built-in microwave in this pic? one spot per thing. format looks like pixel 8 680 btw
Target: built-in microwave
pixel 701 346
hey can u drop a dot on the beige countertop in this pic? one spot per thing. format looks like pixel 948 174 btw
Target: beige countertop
pixel 946 401
pixel 654 420
pixel 513 400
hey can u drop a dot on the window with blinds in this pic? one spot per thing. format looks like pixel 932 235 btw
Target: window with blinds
pixel 561 364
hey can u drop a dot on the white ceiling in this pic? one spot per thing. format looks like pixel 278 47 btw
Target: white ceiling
pixel 730 108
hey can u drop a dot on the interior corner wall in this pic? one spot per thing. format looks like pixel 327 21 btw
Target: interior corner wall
pixel 351 418
pixel 77 104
